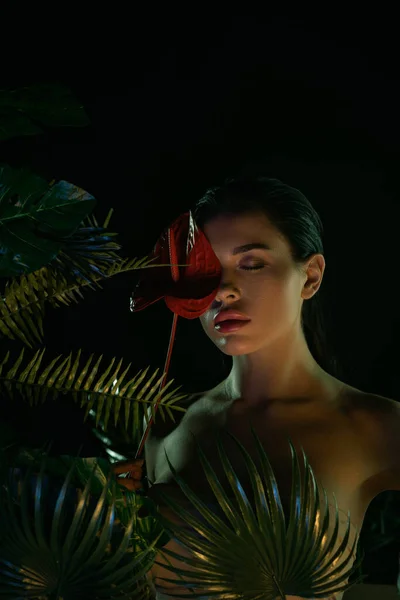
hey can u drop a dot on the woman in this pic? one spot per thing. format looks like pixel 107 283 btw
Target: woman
pixel 266 316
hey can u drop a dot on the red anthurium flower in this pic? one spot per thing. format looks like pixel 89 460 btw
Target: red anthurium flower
pixel 188 286
pixel 188 289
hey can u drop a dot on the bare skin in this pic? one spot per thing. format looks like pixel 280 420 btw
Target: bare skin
pixel 345 469
pixel 271 358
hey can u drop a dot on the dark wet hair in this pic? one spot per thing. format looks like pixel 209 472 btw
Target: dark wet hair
pixel 296 219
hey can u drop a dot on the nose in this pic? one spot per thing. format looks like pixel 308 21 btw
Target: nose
pixel 226 291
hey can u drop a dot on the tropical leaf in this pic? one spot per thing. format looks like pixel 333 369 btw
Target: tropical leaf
pixel 80 260
pixel 23 304
pixel 109 392
pixel 58 291
pixel 35 218
pixel 253 555
pixel 67 545
pixel 22 309
pixel 127 504
pixel 86 252
pixel 24 111
pixel 95 472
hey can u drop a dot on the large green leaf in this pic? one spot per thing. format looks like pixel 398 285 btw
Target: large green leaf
pixel 24 111
pixel 58 542
pixel 257 554
pixel 35 216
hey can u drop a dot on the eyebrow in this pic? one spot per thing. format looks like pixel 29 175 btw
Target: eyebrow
pixel 248 247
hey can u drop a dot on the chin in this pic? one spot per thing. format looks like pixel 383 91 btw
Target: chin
pixel 232 347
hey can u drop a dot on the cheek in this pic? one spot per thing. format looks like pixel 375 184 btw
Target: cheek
pixel 268 292
pixel 206 322
pixel 203 322
pixel 274 300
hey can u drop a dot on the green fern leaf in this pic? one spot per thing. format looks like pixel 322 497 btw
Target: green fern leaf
pixel 111 393
pixel 22 306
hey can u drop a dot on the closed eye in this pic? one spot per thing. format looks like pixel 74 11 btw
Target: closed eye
pixel 256 267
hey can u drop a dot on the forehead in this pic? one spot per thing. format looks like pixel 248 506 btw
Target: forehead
pixel 227 231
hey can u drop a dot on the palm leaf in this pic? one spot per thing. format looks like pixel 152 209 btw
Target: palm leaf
pixel 109 391
pixel 258 555
pixel 22 306
pixel 94 471
pixel 34 216
pixel 63 292
pixel 81 258
pixel 86 252
pixel 69 547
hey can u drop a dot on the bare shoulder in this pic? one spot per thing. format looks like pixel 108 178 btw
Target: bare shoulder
pixel 381 418
pixel 374 405
pixel 384 404
pixel 377 414
pixel 384 415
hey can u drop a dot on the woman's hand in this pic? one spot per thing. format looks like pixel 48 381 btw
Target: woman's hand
pixel 135 467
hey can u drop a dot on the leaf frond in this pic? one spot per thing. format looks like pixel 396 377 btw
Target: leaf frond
pixel 252 549
pixel 22 305
pixel 68 544
pixel 110 391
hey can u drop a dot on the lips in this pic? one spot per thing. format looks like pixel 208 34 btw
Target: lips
pixel 230 315
pixel 230 325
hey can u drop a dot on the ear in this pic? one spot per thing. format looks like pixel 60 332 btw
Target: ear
pixel 314 271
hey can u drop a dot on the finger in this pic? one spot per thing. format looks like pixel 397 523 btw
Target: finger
pixel 133 461
pixel 132 485
pixel 133 473
pixel 137 476
pixel 135 485
pixel 127 466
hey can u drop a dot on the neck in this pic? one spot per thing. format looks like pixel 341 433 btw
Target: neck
pixel 279 374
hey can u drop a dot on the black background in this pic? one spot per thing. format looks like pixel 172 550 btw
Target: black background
pixel 179 101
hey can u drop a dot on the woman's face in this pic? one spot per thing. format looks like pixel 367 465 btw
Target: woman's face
pixel 270 293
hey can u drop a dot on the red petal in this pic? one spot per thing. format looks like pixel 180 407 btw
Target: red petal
pixel 188 290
